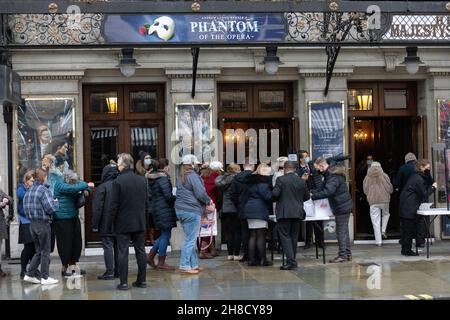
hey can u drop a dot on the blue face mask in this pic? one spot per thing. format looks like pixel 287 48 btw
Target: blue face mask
pixel 147 162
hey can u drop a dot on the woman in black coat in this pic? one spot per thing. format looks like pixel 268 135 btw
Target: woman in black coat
pixel 257 209
pixel 102 221
pixel 335 189
pixel 163 213
pixel 416 191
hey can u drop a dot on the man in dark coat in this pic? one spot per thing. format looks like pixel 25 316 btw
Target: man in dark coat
pixel 290 191
pixel 416 191
pixel 102 221
pixel 239 196
pixel 129 207
pixel 405 172
pixel 335 189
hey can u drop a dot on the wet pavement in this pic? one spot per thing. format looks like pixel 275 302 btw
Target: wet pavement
pixel 374 273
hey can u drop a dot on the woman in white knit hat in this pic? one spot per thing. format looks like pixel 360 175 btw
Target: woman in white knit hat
pixel 378 189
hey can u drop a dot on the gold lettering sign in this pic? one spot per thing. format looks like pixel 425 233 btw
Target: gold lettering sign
pixel 419 27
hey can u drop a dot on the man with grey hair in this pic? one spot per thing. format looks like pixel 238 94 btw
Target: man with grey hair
pixel 130 202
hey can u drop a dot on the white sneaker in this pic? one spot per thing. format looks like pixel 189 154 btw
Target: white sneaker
pixel 237 258
pixel 31 279
pixel 230 258
pixel 49 281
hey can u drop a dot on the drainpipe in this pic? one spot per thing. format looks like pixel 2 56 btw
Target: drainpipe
pixel 8 118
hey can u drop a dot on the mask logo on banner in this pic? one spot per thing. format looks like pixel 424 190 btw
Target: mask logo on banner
pixel 164 27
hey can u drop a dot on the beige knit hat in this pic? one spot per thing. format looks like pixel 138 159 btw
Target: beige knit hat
pixel 410 157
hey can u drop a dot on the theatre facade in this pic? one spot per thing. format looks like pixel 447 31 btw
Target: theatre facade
pixel 103 84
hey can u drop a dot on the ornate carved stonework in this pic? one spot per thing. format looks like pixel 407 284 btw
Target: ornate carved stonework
pixel 56 29
pixel 187 73
pixel 258 58
pixel 51 77
pixel 391 61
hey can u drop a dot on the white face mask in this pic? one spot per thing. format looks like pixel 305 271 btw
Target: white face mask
pixel 147 162
pixel 307 159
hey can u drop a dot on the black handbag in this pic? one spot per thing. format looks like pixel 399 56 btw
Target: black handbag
pixel 81 200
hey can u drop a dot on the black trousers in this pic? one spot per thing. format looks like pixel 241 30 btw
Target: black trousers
pixel 68 240
pixel 233 233
pixel 309 226
pixel 288 230
pixel 245 236
pixel 123 242
pixel 408 233
pixel 421 229
pixel 110 254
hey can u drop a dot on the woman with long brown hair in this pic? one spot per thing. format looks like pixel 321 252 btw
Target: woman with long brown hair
pixel 191 197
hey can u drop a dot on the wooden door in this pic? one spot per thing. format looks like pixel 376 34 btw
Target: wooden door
pixel 119 119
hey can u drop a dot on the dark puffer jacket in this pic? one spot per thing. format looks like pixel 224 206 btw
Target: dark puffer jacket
pixel 163 200
pixel 101 203
pixel 259 202
pixel 239 191
pixel 416 191
pixel 225 182
pixel 335 189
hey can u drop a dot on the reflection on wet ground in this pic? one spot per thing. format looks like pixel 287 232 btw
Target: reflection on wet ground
pixel 374 273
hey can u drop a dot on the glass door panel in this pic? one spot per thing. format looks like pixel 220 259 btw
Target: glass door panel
pixel 144 139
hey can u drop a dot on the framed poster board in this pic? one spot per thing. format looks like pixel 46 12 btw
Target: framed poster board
pixel 326 129
pixel 445 222
pixel 442 162
pixel 44 126
pixel 193 123
pixel 326 139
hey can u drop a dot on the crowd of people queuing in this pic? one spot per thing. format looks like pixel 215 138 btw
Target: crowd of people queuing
pixel 134 198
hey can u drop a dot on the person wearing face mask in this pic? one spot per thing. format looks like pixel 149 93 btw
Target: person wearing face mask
pixel 144 167
pixel 335 189
pixel 416 191
pixel 144 164
pixel 314 182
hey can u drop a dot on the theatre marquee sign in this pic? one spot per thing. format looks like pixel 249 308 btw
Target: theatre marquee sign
pixel 308 28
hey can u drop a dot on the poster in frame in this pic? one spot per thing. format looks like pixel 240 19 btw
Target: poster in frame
pixel 44 125
pixel 326 129
pixel 441 163
pixel 193 125
pixel 327 139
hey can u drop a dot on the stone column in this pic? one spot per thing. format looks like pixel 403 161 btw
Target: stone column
pixel 313 80
pixel 179 89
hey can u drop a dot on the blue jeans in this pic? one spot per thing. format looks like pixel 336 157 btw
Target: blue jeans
pixel 160 246
pixel 191 225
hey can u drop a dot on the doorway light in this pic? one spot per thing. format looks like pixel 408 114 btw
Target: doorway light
pixel 412 61
pixel 271 60
pixel 111 102
pixel 364 102
pixel 127 63
pixel 360 135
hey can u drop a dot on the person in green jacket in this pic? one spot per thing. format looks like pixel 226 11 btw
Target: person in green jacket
pixel 66 219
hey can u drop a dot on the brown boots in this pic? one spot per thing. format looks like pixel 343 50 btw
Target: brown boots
pixel 151 259
pixel 162 264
